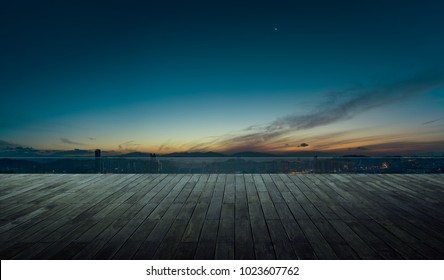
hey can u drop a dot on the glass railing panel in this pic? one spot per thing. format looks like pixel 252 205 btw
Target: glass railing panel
pixel 289 165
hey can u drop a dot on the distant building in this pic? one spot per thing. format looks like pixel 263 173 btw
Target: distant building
pixel 97 153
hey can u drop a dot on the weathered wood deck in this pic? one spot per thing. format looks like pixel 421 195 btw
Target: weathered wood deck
pixel 221 216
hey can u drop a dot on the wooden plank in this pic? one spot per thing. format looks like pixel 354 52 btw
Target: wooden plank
pixel 244 249
pixel 205 250
pixel 263 246
pixel 269 210
pixel 115 243
pixel 198 188
pixel 62 238
pixel 10 251
pixel 281 243
pixel 304 251
pixel 46 229
pixel 378 245
pixel 230 188
pixel 69 251
pixel 226 232
pixel 339 244
pixel 185 251
pixel 264 251
pixel 35 225
pixel 149 182
pixel 186 211
pixel 194 227
pixel 241 204
pixel 135 241
pixel 150 196
pixel 401 248
pixel 321 247
pixel 295 207
pixel 259 183
pixel 165 198
pixel 312 211
pixel 208 189
pixel 272 189
pixel 262 241
pixel 330 202
pixel 215 206
pixel 224 251
pixel 354 241
pixel 149 246
pixel 167 248
pixel 187 189
pixel 146 250
pixel 227 211
pixel 170 245
pixel 280 184
pixel 207 240
pixel 294 188
pixel 29 251
pixel 34 186
pixel 225 240
pixel 240 183
pixel 250 188
pixel 381 214
pixel 265 199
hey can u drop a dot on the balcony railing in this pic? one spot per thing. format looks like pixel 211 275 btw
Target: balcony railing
pixel 290 165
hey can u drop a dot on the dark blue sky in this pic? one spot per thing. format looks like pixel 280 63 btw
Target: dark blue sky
pixel 179 75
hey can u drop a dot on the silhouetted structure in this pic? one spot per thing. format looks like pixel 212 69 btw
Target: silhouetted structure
pixel 98 154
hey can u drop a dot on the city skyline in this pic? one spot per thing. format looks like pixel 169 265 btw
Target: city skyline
pixel 277 77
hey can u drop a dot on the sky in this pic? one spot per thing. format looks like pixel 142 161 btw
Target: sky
pixel 352 77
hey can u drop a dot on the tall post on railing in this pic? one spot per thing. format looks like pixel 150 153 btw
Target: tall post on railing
pixel 315 164
pixel 98 154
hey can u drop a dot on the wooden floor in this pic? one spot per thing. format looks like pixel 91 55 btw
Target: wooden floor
pixel 221 216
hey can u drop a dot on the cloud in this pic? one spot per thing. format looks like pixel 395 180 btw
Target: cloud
pixel 405 148
pixel 129 146
pixel 344 105
pixel 8 149
pixel 6 144
pixel 75 152
pixel 337 106
pixel 70 142
pixel 165 146
pixel 91 138
pixel 303 145
pixel 433 121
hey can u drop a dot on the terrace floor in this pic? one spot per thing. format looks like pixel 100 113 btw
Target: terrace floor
pixel 221 216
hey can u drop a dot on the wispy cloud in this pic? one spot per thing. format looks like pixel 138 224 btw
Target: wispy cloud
pixel 70 142
pixel 344 105
pixel 129 146
pixel 401 148
pixel 336 107
pixel 433 121
pixel 6 144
